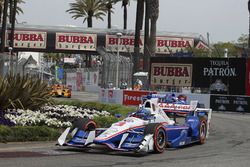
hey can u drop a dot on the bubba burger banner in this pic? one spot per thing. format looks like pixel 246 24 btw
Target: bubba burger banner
pixel 76 41
pixel 131 97
pixel 171 74
pixel 167 45
pixel 28 39
pixel 126 43
pixel 164 45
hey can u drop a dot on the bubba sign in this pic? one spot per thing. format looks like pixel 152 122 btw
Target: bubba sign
pixel 166 44
pixel 126 43
pixel 76 41
pixel 29 39
pixel 171 74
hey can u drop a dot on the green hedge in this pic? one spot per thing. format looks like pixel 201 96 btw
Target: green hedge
pixel 28 133
pixel 111 108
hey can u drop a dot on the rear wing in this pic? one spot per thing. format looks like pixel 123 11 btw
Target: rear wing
pixel 179 108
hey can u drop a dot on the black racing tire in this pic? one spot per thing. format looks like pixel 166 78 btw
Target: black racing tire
pixel 84 124
pixel 202 130
pixel 159 136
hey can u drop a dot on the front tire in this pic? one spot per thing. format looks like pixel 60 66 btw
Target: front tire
pixel 84 124
pixel 202 130
pixel 159 136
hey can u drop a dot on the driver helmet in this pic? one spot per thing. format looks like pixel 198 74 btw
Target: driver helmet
pixel 143 113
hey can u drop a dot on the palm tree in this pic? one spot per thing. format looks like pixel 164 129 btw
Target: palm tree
pixel 125 13
pixel 138 27
pixel 153 15
pixel 109 6
pixel 87 9
pixel 18 9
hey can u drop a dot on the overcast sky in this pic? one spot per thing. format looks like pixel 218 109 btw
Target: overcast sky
pixel 225 20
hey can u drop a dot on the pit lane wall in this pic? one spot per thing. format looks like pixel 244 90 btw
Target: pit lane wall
pixel 134 98
pixel 222 103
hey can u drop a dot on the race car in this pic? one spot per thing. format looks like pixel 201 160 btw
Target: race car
pixel 147 130
pixel 60 91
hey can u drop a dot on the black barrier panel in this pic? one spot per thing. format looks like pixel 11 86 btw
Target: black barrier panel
pixel 220 75
pixel 230 103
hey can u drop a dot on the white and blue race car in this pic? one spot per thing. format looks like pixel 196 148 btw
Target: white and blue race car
pixel 147 130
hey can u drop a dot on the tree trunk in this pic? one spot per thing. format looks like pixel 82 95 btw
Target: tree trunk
pixel 147 53
pixel 13 18
pixel 11 11
pixel 109 7
pixel 5 10
pixel 249 28
pixel 125 17
pixel 141 12
pixel 89 22
pixel 138 27
pixel 109 18
pixel 152 40
pixel 154 14
pixel 1 13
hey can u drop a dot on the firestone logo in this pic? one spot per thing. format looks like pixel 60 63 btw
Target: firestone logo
pixel 133 98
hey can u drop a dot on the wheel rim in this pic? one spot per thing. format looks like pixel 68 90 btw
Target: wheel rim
pixel 203 131
pixel 160 139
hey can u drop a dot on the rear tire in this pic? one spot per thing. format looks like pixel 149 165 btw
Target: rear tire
pixel 202 130
pixel 159 136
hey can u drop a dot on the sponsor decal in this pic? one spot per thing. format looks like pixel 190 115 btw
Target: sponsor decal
pixel 133 97
pixel 167 45
pixel 69 60
pixel 110 93
pixel 28 39
pixel 219 68
pixel 76 41
pixel 121 123
pixel 202 46
pixel 171 74
pixel 170 106
pixel 230 103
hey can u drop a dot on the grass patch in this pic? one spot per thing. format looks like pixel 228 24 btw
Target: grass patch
pixel 28 133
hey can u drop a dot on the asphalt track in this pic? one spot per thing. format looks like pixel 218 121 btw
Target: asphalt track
pixel 227 146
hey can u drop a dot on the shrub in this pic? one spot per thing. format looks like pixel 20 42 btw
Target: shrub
pixel 105 121
pixel 28 133
pixel 23 92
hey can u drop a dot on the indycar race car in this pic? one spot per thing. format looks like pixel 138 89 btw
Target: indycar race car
pixel 147 130
pixel 60 91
